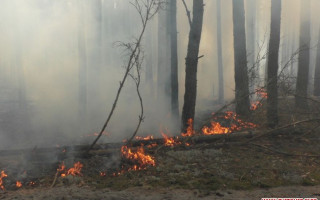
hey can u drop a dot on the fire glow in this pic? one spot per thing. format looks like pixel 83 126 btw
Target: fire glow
pixel 236 124
pixel 18 184
pixel 74 171
pixel 262 94
pixel 169 141
pixel 139 157
pixel 2 175
pixel 190 130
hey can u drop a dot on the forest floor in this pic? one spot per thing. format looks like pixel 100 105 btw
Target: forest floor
pixel 284 163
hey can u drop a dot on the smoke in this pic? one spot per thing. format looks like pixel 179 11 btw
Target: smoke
pixel 40 57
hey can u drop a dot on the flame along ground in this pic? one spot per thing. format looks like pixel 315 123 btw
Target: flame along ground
pixel 74 171
pixel 2 175
pixel 236 124
pixel 141 161
pixel 18 184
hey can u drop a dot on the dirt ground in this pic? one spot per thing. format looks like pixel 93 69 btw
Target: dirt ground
pixel 85 192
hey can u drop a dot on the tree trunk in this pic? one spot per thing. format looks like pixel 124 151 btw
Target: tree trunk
pixel 250 39
pixel 174 60
pixel 274 43
pixel 149 61
pixel 304 56
pixel 240 59
pixel 82 64
pixel 219 52
pixel 163 68
pixel 316 91
pixel 190 94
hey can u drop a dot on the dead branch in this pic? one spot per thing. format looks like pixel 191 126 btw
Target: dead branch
pixel 282 127
pixel 55 179
pixel 187 11
pixel 150 7
pixel 284 153
pixel 137 81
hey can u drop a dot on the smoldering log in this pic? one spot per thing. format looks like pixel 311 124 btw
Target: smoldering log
pixel 110 148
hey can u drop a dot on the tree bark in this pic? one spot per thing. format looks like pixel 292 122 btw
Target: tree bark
pixel 304 56
pixel 82 64
pixel 316 91
pixel 240 59
pixel 273 64
pixel 149 61
pixel 250 38
pixel 190 94
pixel 174 60
pixel 219 52
pixel 163 60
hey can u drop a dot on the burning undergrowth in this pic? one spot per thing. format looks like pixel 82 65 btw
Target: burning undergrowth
pixel 139 157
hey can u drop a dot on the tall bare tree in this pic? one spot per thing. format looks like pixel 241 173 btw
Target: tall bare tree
pixel 219 52
pixel 250 16
pixel 304 56
pixel 192 58
pixel 316 91
pixel 82 63
pixel 163 60
pixel 240 59
pixel 174 59
pixel 273 57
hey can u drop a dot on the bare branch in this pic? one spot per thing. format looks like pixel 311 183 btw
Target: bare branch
pixel 152 7
pixel 188 12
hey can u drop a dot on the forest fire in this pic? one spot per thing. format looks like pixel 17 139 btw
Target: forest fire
pixel 169 141
pixel 141 160
pixel 215 128
pixel 74 171
pixel 255 105
pixel 18 184
pixel 190 130
pixel 2 175
pixel 229 117
pixel 262 94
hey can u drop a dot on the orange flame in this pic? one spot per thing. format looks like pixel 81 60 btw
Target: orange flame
pixel 190 130
pixel 2 175
pixel 74 171
pixel 18 184
pixel 236 125
pixel 139 156
pixel 215 128
pixel 255 105
pixel 262 94
pixel 103 173
pixel 169 141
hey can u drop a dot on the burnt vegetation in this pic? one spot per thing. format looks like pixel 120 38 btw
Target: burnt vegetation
pixel 263 132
